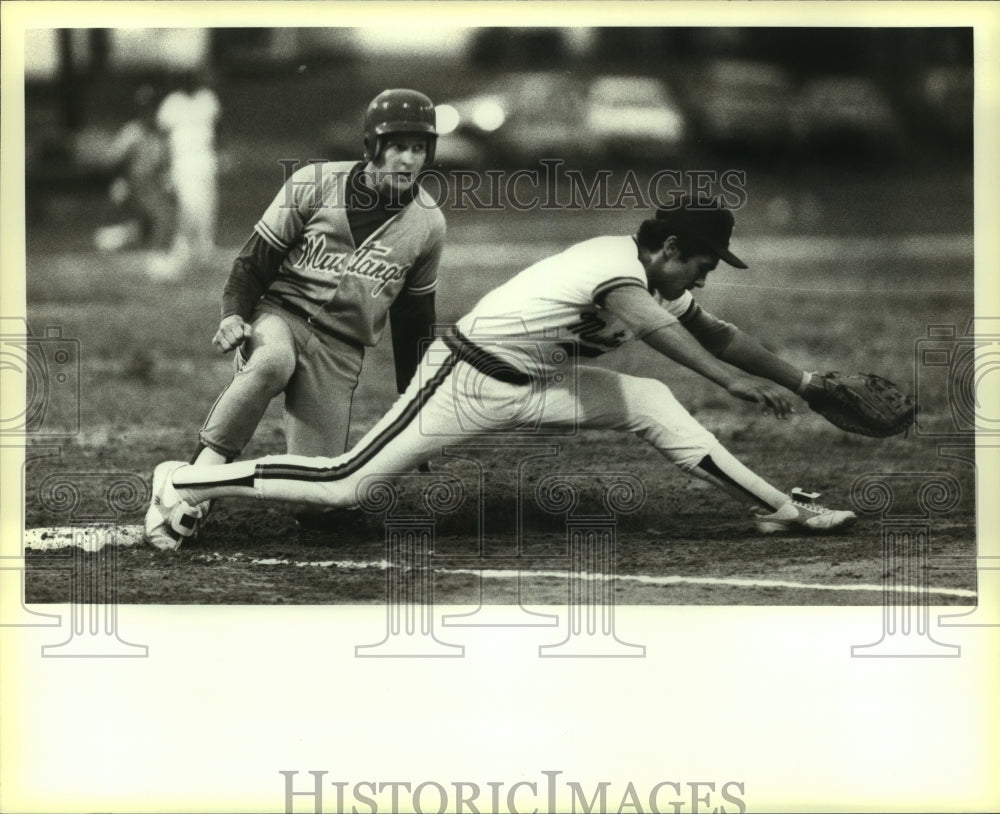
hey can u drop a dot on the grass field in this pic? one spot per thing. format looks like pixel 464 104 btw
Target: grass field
pixel 843 291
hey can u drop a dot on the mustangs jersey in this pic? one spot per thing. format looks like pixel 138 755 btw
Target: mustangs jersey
pixel 561 298
pixel 345 288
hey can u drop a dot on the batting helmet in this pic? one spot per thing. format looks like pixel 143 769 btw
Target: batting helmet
pixel 399 111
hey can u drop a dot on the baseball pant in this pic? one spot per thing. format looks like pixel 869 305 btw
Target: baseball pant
pixel 196 189
pixel 317 373
pixel 449 402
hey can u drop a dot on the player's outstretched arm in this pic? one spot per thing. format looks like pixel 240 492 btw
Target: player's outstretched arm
pixel 730 344
pixel 665 334
pixel 748 354
pixel 675 342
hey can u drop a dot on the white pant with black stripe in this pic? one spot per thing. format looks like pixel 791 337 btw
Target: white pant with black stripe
pixel 450 402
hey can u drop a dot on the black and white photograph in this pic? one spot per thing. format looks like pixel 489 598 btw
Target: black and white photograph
pixel 630 370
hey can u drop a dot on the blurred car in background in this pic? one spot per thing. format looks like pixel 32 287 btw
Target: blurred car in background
pixel 634 117
pixel 741 103
pixel 845 116
pixel 522 118
pixel 464 130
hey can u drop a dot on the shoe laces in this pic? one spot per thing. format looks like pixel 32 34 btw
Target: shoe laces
pixel 818 508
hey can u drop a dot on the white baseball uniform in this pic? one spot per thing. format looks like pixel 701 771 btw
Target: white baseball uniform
pixel 510 367
pixel 189 121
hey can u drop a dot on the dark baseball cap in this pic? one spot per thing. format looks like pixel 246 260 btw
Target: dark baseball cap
pixel 711 227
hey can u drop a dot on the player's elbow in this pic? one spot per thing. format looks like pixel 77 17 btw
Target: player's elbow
pixel 720 342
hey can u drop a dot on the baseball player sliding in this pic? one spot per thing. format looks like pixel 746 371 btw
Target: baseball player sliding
pixel 343 247
pixel 509 364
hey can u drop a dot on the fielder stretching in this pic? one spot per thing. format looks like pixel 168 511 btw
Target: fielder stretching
pixel 502 367
pixel 343 247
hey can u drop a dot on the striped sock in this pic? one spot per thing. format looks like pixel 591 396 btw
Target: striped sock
pixel 206 456
pixel 721 469
pixel 196 484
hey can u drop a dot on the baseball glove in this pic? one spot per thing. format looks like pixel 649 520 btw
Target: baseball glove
pixel 860 402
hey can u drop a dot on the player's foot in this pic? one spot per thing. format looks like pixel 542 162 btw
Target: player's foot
pixel 203 509
pixel 803 513
pixel 169 519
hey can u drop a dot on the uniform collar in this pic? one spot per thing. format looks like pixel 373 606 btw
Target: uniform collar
pixel 358 179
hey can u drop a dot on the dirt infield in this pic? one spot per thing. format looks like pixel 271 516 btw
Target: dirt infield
pixel 685 544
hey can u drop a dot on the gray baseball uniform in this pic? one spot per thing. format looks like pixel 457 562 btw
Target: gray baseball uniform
pixel 319 279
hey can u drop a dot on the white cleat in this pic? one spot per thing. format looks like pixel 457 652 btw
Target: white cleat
pixel 169 519
pixel 802 513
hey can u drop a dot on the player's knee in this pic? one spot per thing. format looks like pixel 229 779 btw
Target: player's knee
pixel 658 418
pixel 689 455
pixel 647 400
pixel 270 369
pixel 684 444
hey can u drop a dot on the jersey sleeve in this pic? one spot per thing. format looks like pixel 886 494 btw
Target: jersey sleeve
pixel 712 333
pixel 602 289
pixel 605 267
pixel 422 278
pixel 254 269
pixel 638 311
pixel 291 208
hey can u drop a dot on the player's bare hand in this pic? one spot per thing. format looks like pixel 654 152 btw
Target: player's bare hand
pixel 773 398
pixel 232 333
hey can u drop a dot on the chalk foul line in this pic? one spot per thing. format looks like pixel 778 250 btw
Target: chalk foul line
pixel 644 579
pixel 94 538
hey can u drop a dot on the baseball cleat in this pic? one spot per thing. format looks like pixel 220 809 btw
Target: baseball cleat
pixel 204 509
pixel 169 519
pixel 803 513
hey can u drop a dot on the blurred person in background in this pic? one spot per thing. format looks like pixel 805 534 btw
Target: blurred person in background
pixel 344 247
pixel 140 192
pixel 188 117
